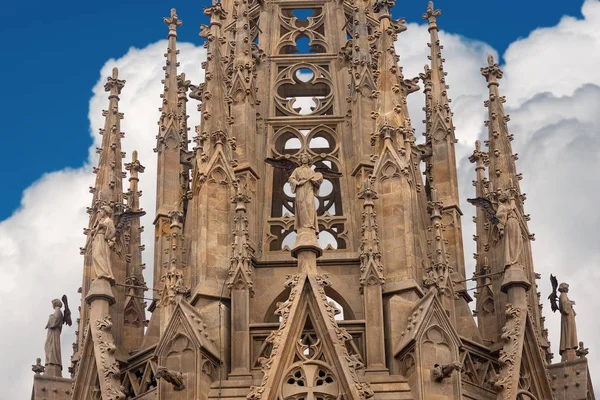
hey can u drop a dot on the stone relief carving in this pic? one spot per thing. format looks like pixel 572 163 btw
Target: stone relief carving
pixel 371 266
pixel 441 372
pixel 511 335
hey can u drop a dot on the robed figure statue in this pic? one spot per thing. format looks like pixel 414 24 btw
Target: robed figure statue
pixel 52 347
pixel 510 229
pixel 102 238
pixel 305 184
pixel 568 330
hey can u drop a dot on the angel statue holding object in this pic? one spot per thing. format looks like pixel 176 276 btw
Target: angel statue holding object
pixel 54 327
pixel 103 238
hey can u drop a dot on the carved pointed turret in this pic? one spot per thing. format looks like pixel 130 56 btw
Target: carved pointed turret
pixel 171 147
pixel 107 192
pixel 504 183
pixel 213 170
pixel 213 132
pixel 372 280
pixel 392 123
pixel 240 283
pixel 173 287
pixel 441 171
pixel 485 306
pixel 503 171
pixel 134 310
pixel 441 165
pixel 362 66
pixel 242 87
pixel 437 275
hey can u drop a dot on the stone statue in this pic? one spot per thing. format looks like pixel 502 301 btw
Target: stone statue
pixel 509 228
pixel 305 184
pixel 102 238
pixel 568 330
pixel 52 347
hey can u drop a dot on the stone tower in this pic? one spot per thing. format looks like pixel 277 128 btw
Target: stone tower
pixel 299 252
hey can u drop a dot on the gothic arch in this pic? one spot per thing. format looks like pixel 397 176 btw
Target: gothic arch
pixel 331 293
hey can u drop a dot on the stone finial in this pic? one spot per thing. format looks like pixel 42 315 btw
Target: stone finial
pixel 492 72
pixel 431 15
pixel 173 21
pixel 581 352
pixel 114 84
pixel 38 368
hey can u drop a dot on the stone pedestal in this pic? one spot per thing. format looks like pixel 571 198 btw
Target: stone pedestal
pixel 51 388
pixel 53 370
pixel 570 380
pixel 100 289
pixel 306 239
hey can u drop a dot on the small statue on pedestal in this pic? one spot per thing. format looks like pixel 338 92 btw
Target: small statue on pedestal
pixel 54 327
pixel 568 329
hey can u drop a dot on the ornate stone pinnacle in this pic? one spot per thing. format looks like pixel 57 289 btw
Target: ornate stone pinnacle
pixel 173 23
pixel 216 10
pixel 492 72
pixel 431 16
pixel 135 164
pixel 114 84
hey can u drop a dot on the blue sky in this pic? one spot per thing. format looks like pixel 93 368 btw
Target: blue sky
pixel 52 55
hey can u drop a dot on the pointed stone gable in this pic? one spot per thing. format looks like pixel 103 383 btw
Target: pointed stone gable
pixel 428 313
pixel 186 321
pixel 302 362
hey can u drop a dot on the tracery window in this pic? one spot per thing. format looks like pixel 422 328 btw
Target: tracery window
pixel 303 89
pixel 302 31
pixel 310 377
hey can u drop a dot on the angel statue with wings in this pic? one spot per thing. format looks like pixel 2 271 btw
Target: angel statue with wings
pixel 54 327
pixel 568 329
pixel 105 236
pixel 508 223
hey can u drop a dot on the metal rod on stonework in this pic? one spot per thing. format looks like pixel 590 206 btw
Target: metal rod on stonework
pixel 137 287
pixel 477 287
pixel 141 297
pixel 474 278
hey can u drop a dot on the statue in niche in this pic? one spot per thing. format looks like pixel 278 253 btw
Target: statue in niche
pixel 103 239
pixel 54 327
pixel 305 182
pixel 305 185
